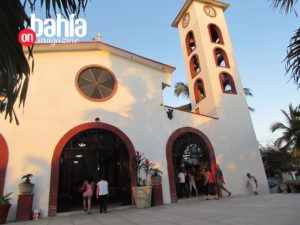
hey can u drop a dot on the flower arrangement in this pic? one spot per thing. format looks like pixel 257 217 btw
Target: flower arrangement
pixel 137 164
pixel 141 163
pixel 148 166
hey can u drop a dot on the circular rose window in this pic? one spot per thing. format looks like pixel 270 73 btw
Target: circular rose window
pixel 96 83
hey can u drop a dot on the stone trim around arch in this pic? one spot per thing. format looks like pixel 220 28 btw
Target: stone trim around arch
pixel 3 162
pixel 169 149
pixel 54 180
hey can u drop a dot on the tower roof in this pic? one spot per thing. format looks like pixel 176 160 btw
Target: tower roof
pixel 187 4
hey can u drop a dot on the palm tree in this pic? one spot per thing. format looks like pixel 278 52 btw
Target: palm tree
pixel 14 65
pixel 293 50
pixel 182 89
pixel 290 139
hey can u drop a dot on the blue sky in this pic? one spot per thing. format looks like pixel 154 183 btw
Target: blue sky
pixel 259 36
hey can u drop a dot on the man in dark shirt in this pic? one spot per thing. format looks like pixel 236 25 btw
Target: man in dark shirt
pixel 220 182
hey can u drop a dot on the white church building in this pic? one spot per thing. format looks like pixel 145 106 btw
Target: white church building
pixel 91 105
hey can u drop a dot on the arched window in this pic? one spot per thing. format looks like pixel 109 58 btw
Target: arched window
pixel 194 66
pixel 221 58
pixel 215 34
pixel 190 42
pixel 199 90
pixel 227 83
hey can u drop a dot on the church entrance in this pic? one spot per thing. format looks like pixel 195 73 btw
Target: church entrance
pixel 91 153
pixel 188 151
pixel 191 157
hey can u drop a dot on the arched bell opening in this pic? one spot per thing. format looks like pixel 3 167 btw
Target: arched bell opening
pixel 190 42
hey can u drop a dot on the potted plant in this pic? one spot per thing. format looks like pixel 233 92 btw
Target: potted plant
pixel 156 177
pixel 4 207
pixel 141 193
pixel 26 187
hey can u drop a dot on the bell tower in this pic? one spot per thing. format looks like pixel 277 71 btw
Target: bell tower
pixel 211 69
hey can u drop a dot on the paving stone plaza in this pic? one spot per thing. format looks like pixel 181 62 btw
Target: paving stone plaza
pixel 271 209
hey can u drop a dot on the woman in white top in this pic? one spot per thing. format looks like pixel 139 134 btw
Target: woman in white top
pixel 182 187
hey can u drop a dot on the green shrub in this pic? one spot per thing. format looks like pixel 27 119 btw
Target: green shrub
pixel 5 199
pixel 297 181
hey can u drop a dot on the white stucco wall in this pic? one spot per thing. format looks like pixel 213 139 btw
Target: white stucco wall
pixel 54 106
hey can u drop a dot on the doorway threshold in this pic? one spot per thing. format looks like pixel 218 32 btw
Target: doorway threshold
pixel 95 209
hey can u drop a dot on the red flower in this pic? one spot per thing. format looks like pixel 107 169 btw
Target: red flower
pixel 148 166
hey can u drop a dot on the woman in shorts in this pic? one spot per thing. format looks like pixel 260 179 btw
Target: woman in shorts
pixel 88 190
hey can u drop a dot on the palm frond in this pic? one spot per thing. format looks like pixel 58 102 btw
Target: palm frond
pixel 293 50
pixel 251 109
pixel 65 7
pixel 278 126
pixel 248 92
pixel 287 116
pixel 293 58
pixel 284 5
pixel 181 89
pixel 283 143
pixel 14 65
pixel 294 114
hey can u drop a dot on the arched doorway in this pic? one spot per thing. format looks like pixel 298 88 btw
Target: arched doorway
pixel 3 162
pixel 90 150
pixel 188 149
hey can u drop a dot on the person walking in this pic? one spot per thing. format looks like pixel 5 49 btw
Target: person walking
pixel 88 190
pixel 192 183
pixel 211 186
pixel 182 185
pixel 102 194
pixel 252 183
pixel 221 182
